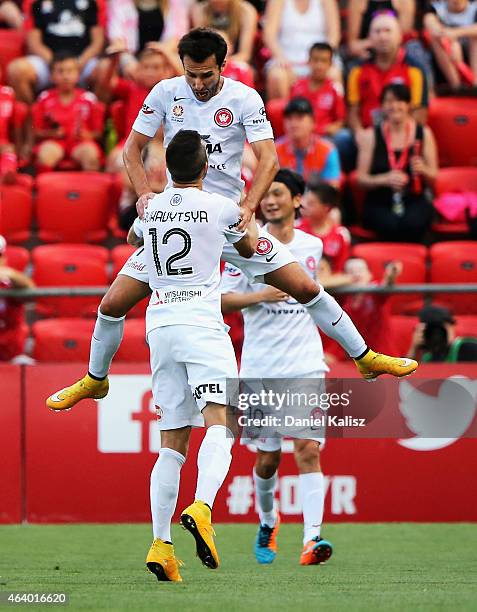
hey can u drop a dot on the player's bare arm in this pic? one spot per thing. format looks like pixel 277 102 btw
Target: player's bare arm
pixel 232 302
pixel 267 167
pixel 133 239
pixel 133 162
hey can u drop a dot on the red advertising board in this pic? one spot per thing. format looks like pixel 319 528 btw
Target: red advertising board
pixel 10 444
pixel 93 463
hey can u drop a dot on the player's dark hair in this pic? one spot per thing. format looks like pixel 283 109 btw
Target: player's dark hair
pixel 327 194
pixel 201 43
pixel 321 46
pixel 186 156
pixel 62 56
pixel 400 91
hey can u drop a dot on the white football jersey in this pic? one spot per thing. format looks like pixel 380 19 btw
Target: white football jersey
pixel 281 339
pixel 224 122
pixel 184 231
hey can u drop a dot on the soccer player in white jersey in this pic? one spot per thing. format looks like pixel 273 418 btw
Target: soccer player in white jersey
pixel 281 341
pixel 225 113
pixel 184 230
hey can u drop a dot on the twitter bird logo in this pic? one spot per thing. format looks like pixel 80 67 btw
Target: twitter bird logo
pixel 439 421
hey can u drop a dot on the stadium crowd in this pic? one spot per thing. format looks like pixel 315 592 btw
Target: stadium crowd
pixel 366 99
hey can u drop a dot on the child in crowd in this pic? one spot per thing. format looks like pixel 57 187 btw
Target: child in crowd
pixel 369 311
pixel 325 96
pixel 320 216
pixel 67 121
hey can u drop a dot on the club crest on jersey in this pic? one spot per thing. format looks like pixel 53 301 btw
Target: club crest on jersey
pixel 264 246
pixel 176 199
pixel 178 110
pixel 311 263
pixel 147 110
pixel 223 117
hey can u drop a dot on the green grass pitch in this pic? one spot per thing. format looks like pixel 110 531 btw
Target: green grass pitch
pixel 374 567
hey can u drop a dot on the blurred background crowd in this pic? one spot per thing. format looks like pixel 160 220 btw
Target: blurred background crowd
pixel 374 102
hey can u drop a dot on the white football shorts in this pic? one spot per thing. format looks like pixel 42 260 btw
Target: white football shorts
pixel 296 411
pixel 270 255
pixel 190 366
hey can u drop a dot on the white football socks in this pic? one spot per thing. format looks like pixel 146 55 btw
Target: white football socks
pixel 333 320
pixel 107 336
pixel 213 461
pixel 164 489
pixel 312 495
pixel 265 497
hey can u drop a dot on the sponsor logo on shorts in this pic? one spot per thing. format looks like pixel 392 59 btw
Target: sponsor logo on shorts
pixel 147 110
pixel 223 117
pixel 140 267
pixel 264 246
pixel 207 388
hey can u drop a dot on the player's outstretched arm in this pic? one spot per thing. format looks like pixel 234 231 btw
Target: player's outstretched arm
pixel 246 246
pixel 133 239
pixel 231 302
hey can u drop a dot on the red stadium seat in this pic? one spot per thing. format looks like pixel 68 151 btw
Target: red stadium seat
pixel 455 262
pixel 69 265
pixel 16 211
pixel 275 110
pixel 455 180
pixel 73 206
pixel 454 123
pixel 17 257
pixel 11 47
pixel 413 258
pixel 466 325
pixel 402 329
pixel 59 340
pixel 134 347
pixel 119 255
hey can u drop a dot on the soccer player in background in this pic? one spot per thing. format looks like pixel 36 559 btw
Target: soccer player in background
pixel 225 113
pixel 184 230
pixel 282 342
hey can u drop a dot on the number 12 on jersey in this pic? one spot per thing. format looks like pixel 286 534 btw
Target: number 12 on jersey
pixel 170 271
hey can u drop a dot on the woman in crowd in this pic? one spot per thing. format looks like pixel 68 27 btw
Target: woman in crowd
pixel 397 163
pixel 291 27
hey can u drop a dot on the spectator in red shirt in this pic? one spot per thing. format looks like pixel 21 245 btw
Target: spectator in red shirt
pixel 67 120
pixel 324 94
pixel 370 311
pixel 302 150
pixel 55 26
pixel 12 118
pixel 235 69
pixel 390 65
pixel 317 208
pixel 13 330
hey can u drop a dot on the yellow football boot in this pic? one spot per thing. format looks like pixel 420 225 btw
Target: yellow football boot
pixel 162 562
pixel 85 388
pixel 196 518
pixel 374 364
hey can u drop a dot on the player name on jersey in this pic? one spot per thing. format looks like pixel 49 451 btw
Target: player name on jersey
pixel 188 216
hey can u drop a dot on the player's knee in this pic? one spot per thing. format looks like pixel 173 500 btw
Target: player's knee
pixel 267 463
pixel 307 456
pixel 112 306
pixel 49 154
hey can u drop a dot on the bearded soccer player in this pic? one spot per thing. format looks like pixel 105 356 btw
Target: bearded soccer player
pixel 225 113
pixel 282 348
